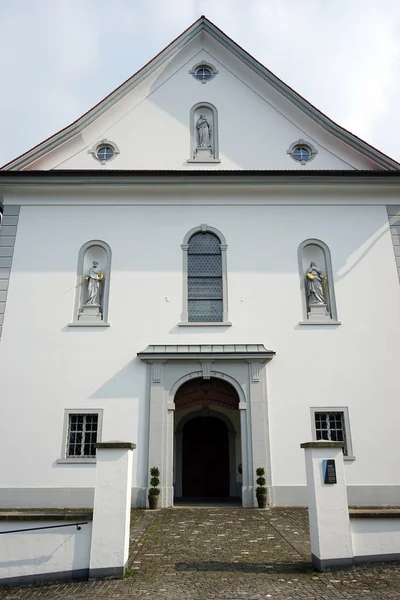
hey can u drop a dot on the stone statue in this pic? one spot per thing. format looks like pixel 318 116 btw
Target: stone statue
pixel 315 284
pixel 93 279
pixel 204 132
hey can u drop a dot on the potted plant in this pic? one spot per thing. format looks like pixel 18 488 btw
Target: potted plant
pixel 261 490
pixel 154 491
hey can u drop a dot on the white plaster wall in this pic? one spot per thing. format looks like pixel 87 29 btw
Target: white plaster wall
pixel 46 551
pixel 47 367
pixel 151 127
pixel 372 537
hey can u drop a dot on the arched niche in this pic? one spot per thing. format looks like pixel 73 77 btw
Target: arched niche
pixel 204 133
pixel 92 296
pixel 317 283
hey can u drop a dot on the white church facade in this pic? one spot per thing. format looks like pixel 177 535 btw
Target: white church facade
pixel 207 266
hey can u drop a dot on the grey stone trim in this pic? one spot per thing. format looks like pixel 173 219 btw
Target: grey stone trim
pixel 8 233
pixel 41 578
pixel 206 351
pixel 79 411
pixel 358 495
pixel 107 573
pixel 94 149
pixel 377 558
pixel 57 497
pixel 324 323
pixel 88 324
pixel 347 431
pixel 116 445
pixel 380 513
pixel 17 515
pixel 331 563
pixel 304 144
pixel 322 444
pixel 393 213
pixel 204 63
pixel 332 318
pixel 213 324
pixel 76 461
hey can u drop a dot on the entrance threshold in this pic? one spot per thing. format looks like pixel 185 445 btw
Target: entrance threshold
pixel 205 502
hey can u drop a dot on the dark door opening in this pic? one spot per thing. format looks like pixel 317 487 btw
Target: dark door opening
pixel 205 458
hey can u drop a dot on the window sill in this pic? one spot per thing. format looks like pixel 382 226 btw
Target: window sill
pixel 212 324
pixel 349 458
pixel 80 324
pixel 321 322
pixel 76 461
pixel 203 160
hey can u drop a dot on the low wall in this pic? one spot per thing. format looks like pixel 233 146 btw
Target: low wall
pixel 375 535
pixel 59 552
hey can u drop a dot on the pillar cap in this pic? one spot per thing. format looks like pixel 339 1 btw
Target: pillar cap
pixel 322 444
pixel 115 444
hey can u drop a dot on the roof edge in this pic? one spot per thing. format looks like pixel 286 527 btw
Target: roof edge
pixel 202 24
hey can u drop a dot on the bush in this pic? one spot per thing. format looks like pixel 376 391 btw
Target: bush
pixel 154 481
pixel 261 481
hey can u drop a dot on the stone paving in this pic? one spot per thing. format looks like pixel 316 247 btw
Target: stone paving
pixel 224 554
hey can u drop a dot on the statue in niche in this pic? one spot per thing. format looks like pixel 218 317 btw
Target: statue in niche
pixel 204 132
pixel 315 285
pixel 93 279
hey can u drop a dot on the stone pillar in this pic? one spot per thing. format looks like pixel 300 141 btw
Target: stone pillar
pixel 257 406
pixel 331 542
pixel 112 510
pixel 161 434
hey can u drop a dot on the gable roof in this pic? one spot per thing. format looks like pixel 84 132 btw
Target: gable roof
pixel 202 25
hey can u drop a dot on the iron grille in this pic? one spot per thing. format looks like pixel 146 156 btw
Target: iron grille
pixel 82 436
pixel 330 426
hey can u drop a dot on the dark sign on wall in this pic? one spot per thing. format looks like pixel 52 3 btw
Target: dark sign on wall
pixel 329 470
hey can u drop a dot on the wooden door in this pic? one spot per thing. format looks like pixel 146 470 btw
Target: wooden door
pixel 205 458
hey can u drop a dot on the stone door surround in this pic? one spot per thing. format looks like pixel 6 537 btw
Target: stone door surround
pixel 240 365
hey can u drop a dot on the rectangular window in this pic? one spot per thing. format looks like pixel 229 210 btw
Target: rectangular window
pixel 82 435
pixel 332 424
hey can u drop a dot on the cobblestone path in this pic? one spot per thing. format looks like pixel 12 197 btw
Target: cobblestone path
pixel 224 554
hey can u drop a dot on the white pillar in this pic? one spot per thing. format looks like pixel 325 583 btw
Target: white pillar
pixel 112 510
pixel 331 543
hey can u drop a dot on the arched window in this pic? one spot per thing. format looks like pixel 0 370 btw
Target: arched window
pixel 317 284
pixel 93 285
pixel 205 277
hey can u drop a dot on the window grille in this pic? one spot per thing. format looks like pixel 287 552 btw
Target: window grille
pixel 82 436
pixel 330 426
pixel 205 300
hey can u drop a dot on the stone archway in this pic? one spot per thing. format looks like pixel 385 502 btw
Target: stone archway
pixel 205 439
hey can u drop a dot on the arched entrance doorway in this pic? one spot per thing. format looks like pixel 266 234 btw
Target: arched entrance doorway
pixel 207 440
pixel 205 458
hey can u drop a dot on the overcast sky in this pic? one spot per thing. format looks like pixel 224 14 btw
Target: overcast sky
pixel 60 57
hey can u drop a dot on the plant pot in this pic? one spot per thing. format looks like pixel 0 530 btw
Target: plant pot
pixel 262 500
pixel 153 501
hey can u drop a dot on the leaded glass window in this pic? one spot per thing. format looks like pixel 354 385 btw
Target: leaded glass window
pixel 205 300
pixel 330 426
pixel 82 435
